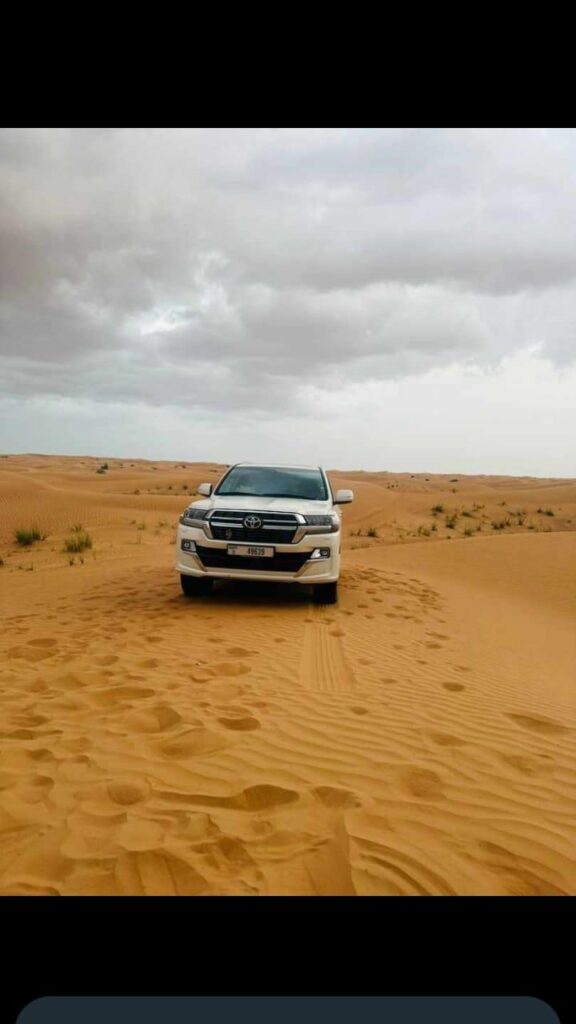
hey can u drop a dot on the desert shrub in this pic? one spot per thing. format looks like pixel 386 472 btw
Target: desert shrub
pixel 100 470
pixel 1 562
pixel 451 521
pixel 79 541
pixel 141 526
pixel 437 510
pixel 25 538
pixel 548 512
pixel 371 531
pixel 468 531
pixel 467 514
pixel 424 531
pixel 499 524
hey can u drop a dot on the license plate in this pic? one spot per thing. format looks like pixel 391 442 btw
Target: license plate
pixel 250 551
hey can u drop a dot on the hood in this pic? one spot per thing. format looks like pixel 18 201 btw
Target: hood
pixel 258 504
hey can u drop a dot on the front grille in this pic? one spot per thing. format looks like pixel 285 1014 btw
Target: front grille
pixel 252 536
pixel 214 558
pixel 275 528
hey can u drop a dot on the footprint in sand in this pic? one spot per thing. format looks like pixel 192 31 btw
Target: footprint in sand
pixel 43 754
pixel 453 687
pixel 240 724
pixel 229 668
pixel 356 710
pixel 423 783
pixel 253 799
pixel 36 654
pixel 193 744
pixel 30 720
pixel 201 675
pixel 129 792
pixel 445 739
pixel 335 798
pixel 536 724
pixel 18 734
pixel 525 765
pixel 43 641
pixel 156 719
pixel 239 652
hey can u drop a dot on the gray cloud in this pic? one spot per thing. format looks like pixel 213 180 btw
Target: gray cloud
pixel 231 268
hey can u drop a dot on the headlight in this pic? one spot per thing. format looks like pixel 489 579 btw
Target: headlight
pixel 330 523
pixel 191 516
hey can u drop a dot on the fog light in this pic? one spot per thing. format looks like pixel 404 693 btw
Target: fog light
pixel 188 545
pixel 320 553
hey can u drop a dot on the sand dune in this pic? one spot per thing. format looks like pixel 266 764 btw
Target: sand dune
pixel 419 738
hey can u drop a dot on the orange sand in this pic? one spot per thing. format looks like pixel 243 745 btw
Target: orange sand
pixel 418 738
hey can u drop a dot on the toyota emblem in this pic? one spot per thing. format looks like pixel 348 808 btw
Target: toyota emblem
pixel 252 523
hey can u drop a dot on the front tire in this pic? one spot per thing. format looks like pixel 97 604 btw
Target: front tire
pixel 195 586
pixel 326 593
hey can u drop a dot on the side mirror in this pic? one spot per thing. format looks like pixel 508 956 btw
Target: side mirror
pixel 205 489
pixel 343 497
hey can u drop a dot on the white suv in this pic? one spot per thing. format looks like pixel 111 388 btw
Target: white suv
pixel 269 523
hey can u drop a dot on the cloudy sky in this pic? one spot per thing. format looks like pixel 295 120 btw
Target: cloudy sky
pixel 371 298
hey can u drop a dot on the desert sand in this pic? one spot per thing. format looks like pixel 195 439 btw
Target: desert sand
pixel 419 738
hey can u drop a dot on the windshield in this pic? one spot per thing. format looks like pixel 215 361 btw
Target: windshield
pixel 273 482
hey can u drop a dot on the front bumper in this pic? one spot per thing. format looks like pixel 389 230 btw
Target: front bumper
pixel 297 567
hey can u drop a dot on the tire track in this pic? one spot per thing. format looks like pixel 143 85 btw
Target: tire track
pixel 323 665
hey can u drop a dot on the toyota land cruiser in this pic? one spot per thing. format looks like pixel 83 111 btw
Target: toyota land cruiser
pixel 268 523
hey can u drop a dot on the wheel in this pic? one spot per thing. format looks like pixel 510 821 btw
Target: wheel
pixel 195 586
pixel 325 593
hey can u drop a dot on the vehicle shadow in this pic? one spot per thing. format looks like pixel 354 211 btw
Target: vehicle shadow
pixel 256 595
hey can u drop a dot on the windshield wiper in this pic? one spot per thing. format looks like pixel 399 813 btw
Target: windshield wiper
pixel 302 497
pixel 260 494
